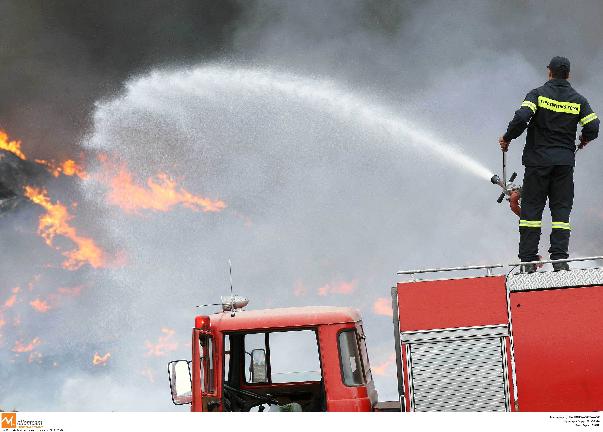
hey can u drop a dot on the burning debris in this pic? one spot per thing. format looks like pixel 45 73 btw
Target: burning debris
pixel 99 360
pixel 10 302
pixel 165 344
pixel 13 147
pixel 40 305
pixel 21 347
pixel 16 172
pixel 68 168
pixel 56 222
pixel 161 194
pixel 31 181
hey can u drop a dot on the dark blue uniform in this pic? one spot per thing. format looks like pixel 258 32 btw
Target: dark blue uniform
pixel 551 114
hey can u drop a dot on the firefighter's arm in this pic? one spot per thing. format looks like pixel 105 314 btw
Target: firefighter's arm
pixel 590 124
pixel 521 118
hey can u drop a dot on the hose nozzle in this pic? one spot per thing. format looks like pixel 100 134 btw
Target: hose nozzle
pixel 495 179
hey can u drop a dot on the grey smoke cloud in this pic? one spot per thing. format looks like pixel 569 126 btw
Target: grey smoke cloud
pixel 314 199
pixel 59 57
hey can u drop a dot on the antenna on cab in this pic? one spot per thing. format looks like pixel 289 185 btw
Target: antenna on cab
pixel 232 302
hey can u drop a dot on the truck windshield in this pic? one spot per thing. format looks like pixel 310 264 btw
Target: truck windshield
pixel 292 356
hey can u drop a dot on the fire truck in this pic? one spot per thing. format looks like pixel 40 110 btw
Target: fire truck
pixel 488 341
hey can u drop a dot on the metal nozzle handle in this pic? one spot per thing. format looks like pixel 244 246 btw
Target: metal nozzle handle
pixel 513 176
pixel 504 174
pixel 501 198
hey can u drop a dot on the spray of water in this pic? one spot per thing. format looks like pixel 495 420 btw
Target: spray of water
pixel 295 160
pixel 209 81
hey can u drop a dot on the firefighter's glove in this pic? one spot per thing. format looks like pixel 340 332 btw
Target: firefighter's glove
pixel 504 145
pixel 583 142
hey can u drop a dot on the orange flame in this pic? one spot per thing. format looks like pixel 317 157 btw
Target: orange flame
pixel 71 291
pixel 10 302
pixel 383 306
pixel 337 288
pixel 40 305
pixel 12 146
pixel 68 168
pixel 162 193
pixel 100 360
pixel 22 348
pixel 56 222
pixel 164 345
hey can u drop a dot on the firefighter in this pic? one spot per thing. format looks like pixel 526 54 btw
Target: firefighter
pixel 551 113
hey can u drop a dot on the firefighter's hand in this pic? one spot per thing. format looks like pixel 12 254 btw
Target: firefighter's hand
pixel 504 145
pixel 583 142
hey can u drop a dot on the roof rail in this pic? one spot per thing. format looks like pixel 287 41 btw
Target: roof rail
pixel 488 269
pixel 594 258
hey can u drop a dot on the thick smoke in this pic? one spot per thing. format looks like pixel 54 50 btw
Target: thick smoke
pixel 60 56
pixel 315 200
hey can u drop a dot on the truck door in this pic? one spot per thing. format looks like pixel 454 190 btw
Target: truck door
pixel 204 385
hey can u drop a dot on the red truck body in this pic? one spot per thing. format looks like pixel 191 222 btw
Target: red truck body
pixel 454 347
pixel 558 337
pixel 521 342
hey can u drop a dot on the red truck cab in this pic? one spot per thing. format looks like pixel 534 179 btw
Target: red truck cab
pixel 290 359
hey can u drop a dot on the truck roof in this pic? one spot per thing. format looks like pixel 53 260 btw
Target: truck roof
pixel 283 318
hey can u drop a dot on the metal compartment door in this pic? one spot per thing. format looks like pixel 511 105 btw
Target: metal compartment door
pixel 459 375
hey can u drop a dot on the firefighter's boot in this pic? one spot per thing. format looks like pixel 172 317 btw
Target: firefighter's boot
pixel 527 268
pixel 558 266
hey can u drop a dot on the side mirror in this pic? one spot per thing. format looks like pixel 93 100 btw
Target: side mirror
pixel 258 368
pixel 179 372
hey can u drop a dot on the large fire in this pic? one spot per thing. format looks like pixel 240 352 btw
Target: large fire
pixel 69 167
pixel 161 194
pixel 56 222
pixel 12 146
